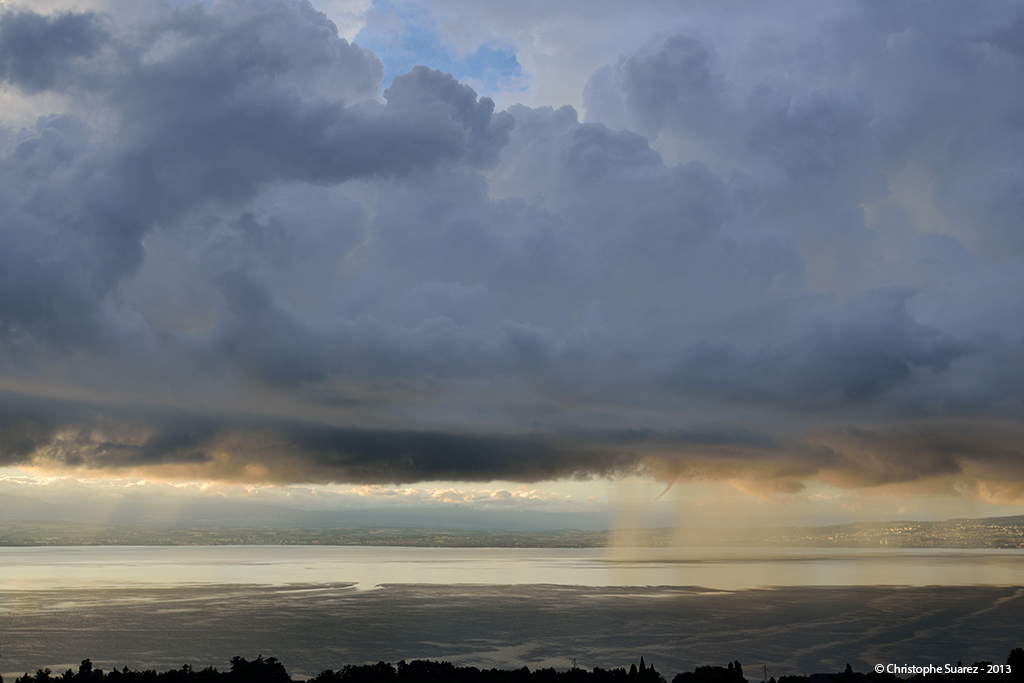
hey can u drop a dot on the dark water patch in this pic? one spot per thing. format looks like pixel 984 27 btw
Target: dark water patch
pixel 314 627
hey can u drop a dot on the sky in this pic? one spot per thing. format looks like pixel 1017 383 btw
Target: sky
pixel 704 262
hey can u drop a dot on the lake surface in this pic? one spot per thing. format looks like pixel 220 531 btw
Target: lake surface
pixel 794 610
pixel 369 567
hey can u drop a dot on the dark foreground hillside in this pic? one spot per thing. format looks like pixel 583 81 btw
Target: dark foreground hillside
pixel 271 670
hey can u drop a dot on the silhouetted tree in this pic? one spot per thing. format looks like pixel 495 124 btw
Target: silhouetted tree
pixel 711 674
pixel 1016 662
pixel 548 675
pixel 258 670
pixel 380 672
pixel 86 674
pixel 424 671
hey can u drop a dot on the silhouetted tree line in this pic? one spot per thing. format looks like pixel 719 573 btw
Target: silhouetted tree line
pixel 271 670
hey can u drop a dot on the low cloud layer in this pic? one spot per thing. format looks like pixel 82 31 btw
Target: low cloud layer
pixel 782 255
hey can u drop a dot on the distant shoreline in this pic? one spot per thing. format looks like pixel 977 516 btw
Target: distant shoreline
pixel 987 533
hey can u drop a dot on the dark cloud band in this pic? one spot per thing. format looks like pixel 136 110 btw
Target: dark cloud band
pixel 777 259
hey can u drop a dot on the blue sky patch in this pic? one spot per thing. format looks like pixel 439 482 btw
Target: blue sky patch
pixel 404 35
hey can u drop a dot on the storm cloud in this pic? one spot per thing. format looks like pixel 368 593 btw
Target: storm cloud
pixel 784 254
